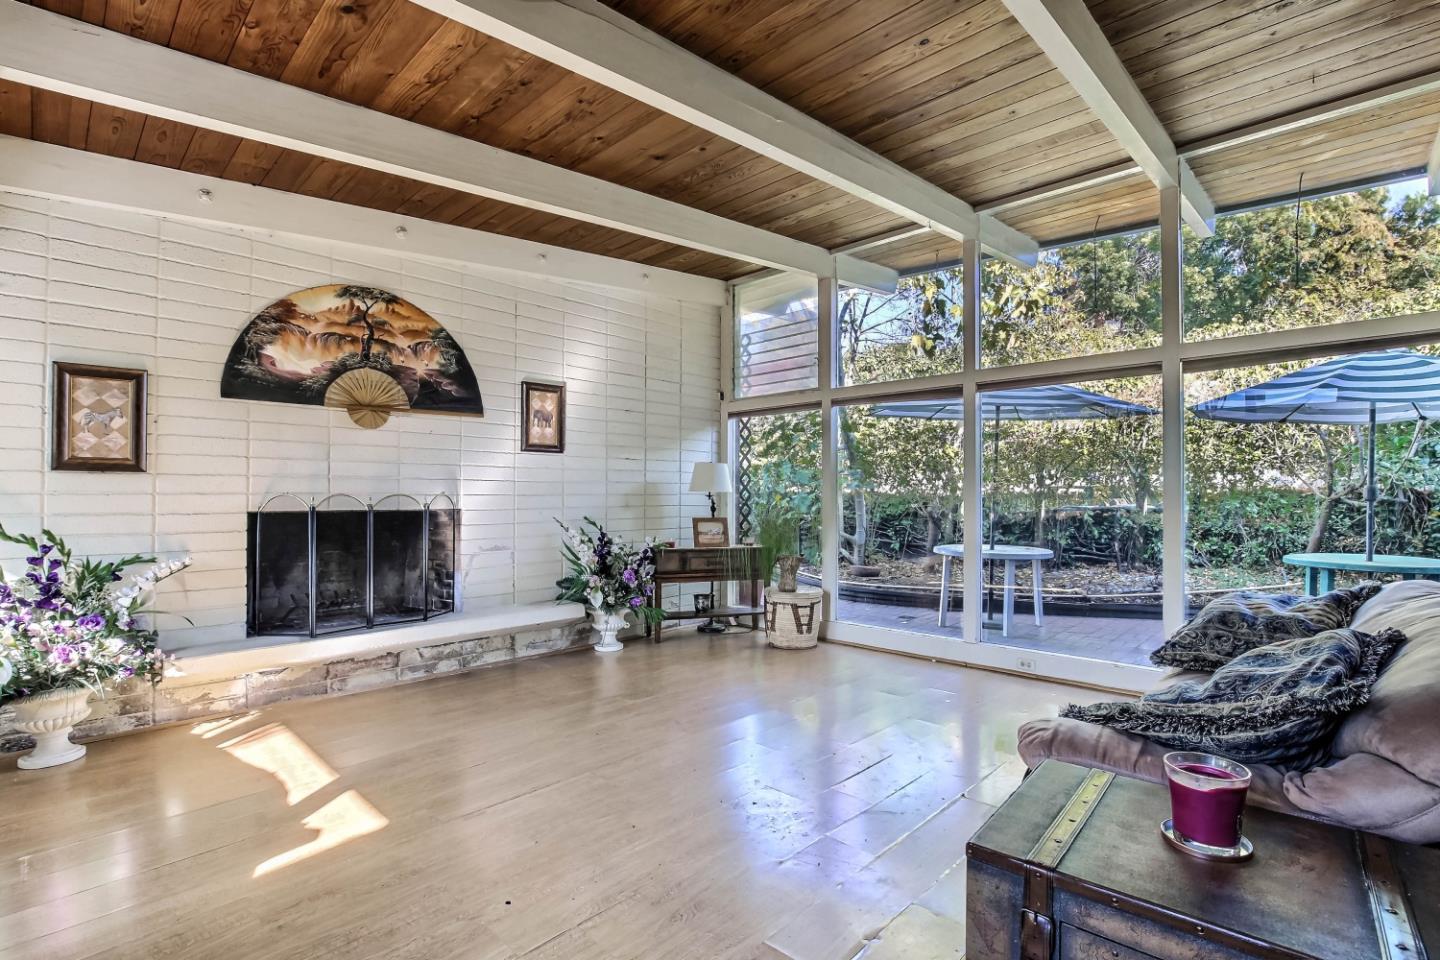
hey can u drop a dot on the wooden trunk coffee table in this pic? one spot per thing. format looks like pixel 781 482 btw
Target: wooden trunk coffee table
pixel 1073 866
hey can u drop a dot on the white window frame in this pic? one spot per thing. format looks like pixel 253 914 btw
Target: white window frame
pixel 1170 360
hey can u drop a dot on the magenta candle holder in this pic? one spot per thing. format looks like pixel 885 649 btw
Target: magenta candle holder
pixel 1207 805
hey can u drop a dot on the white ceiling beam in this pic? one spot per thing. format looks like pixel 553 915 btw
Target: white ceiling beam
pixel 883 239
pixel 68 56
pixel 1068 34
pixel 590 39
pixel 1252 133
pixel 1060 188
pixel 46 170
pixel 1287 123
pixel 854 272
pixel 1321 113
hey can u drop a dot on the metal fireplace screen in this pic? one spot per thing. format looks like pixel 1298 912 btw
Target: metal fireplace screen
pixel 342 564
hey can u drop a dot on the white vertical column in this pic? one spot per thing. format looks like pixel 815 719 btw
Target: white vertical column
pixel 1172 391
pixel 725 435
pixel 827 309
pixel 973 440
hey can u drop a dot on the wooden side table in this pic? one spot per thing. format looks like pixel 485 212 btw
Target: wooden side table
pixel 707 565
pixel 790 618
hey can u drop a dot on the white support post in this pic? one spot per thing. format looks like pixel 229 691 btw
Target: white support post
pixel 1432 169
pixel 1172 390
pixel 725 446
pixel 972 582
pixel 827 310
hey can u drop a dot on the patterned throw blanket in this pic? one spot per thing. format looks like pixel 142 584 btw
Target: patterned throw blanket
pixel 1238 622
pixel 1277 704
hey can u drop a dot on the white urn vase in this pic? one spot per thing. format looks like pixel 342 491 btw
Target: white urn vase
pixel 607 626
pixel 49 717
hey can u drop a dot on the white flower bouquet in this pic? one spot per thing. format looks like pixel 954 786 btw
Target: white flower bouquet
pixel 68 623
pixel 608 575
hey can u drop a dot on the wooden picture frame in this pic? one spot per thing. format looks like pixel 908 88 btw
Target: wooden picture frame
pixel 710 531
pixel 542 408
pixel 98 418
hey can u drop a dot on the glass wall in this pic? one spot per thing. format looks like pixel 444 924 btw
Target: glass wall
pixel 1079 300
pixel 900 499
pixel 1073 525
pixel 1073 518
pixel 776 345
pixel 777 485
pixel 914 332
pixel 1351 256
pixel 1270 475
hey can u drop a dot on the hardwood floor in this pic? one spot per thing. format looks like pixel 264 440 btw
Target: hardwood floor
pixel 706 798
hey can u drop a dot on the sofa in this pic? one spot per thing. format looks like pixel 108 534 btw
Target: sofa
pixel 1383 775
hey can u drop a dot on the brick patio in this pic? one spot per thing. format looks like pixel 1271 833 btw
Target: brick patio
pixel 1116 639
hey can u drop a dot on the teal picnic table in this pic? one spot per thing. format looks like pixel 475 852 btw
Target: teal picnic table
pixel 1320 567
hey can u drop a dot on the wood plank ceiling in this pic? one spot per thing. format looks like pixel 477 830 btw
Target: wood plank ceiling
pixel 951 89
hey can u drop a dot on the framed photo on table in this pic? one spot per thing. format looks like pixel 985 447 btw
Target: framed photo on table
pixel 98 418
pixel 543 407
pixel 710 531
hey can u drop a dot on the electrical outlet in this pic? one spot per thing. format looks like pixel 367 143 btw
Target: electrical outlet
pixel 1024 664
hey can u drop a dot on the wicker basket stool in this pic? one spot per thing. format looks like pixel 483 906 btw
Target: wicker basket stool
pixel 790 618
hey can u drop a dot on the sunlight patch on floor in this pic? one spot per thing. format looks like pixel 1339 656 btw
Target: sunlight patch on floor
pixel 277 750
pixel 341 820
pixel 283 755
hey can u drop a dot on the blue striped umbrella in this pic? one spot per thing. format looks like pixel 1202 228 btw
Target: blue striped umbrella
pixel 1052 402
pixel 1385 386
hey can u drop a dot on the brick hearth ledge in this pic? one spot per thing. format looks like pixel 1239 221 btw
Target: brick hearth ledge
pixel 226 678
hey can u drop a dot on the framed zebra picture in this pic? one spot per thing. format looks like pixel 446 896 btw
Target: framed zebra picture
pixel 98 418
pixel 543 407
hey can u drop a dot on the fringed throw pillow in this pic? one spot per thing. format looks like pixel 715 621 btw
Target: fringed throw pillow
pixel 1230 625
pixel 1278 704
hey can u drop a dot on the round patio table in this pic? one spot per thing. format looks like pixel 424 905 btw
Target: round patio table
pixel 1008 553
pixel 1320 567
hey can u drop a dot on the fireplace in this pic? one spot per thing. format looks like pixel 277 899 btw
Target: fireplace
pixel 342 564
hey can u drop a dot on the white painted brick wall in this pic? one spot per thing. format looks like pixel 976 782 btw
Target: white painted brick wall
pixel 86 284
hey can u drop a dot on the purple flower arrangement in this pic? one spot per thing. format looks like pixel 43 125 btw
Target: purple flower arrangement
pixel 75 623
pixel 606 574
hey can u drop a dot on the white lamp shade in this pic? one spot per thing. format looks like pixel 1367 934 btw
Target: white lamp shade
pixel 710 478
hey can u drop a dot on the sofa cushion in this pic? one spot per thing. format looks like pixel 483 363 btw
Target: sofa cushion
pixel 1277 704
pixel 1401 723
pixel 1235 623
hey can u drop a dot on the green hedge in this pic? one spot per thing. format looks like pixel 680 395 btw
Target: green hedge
pixel 1252 528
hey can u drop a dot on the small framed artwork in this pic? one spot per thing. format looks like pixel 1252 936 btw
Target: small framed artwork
pixel 543 407
pixel 710 531
pixel 98 418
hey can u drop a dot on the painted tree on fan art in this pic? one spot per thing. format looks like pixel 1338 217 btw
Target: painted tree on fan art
pixel 368 298
pixel 295 348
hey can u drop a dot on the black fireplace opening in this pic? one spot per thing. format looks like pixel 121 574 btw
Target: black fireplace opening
pixel 341 564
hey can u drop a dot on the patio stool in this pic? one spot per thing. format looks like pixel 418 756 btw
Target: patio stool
pixel 790 618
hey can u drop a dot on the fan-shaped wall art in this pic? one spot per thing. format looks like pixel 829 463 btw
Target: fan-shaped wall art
pixel 360 348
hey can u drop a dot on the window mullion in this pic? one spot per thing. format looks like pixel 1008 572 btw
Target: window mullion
pixel 973 440
pixel 1172 388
